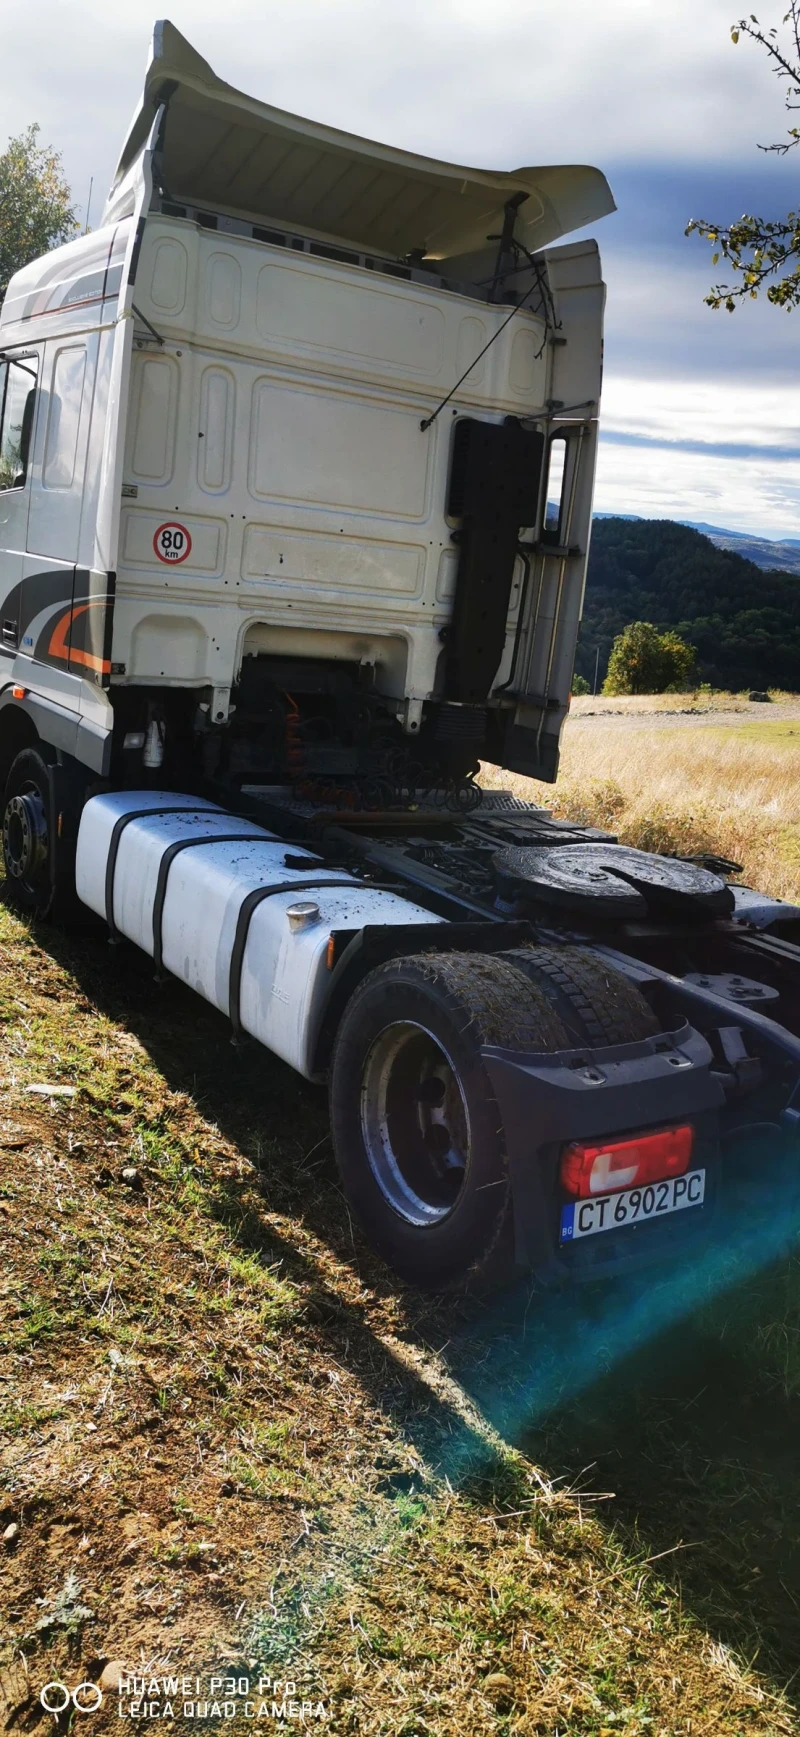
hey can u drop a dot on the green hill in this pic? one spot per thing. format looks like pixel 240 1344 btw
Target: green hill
pixel 744 622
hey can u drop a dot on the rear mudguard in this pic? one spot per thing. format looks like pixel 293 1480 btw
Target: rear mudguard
pixel 546 1101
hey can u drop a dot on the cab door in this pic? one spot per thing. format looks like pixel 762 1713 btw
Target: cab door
pixel 18 383
pixel 57 495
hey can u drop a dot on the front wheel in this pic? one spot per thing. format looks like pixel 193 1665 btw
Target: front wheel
pixel 27 830
pixel 417 1131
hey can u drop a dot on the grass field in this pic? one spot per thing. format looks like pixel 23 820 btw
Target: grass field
pixel 686 774
pixel 232 1444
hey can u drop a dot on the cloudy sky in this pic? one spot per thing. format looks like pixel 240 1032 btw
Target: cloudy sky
pixel 701 410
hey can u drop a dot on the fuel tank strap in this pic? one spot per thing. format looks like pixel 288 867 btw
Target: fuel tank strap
pixel 165 865
pixel 250 904
pixel 116 838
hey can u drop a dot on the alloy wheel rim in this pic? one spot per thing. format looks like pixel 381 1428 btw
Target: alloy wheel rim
pixel 25 837
pixel 415 1123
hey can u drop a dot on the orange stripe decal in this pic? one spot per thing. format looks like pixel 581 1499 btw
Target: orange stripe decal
pixel 72 654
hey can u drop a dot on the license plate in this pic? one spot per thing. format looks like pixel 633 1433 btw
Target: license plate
pixel 631 1206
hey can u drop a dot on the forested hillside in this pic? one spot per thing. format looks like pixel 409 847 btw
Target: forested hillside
pixel 744 622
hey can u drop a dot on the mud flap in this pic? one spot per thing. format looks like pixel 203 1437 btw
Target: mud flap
pixel 548 1100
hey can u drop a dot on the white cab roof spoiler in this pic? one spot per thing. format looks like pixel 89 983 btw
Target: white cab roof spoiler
pixel 228 152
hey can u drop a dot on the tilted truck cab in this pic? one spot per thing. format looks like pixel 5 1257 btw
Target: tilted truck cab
pixel 296 466
pixel 241 479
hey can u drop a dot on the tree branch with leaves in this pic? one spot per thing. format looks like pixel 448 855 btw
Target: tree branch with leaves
pixel 35 203
pixel 763 252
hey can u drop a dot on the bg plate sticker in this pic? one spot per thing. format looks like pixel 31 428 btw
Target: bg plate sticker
pixel 172 543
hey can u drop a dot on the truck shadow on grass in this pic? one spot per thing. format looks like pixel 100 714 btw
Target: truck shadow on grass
pixel 690 1431
pixel 279 1122
pixel 702 1460
pixel 679 1393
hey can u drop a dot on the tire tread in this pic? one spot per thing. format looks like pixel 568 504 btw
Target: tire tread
pixel 601 1005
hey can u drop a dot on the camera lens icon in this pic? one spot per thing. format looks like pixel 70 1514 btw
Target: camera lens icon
pixel 55 1697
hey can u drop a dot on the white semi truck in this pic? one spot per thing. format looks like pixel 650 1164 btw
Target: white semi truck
pixel 296 466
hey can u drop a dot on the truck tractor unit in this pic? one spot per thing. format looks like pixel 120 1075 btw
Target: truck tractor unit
pixel 296 465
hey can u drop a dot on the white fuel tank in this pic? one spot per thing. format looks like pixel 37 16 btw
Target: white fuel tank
pixel 214 900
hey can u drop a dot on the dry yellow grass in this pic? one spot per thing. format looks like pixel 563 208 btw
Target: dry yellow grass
pixel 725 779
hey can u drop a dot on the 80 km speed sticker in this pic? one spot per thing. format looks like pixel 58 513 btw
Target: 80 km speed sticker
pixel 172 543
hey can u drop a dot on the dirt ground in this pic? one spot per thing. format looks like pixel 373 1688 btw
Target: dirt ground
pixel 236 1454
pixel 778 720
pixel 671 709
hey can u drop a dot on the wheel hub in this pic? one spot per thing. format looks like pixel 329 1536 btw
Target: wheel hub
pixel 25 839
pixel 414 1123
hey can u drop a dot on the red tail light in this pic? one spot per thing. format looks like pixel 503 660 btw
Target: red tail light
pixel 588 1169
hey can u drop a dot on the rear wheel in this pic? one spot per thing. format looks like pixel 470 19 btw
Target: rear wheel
pixel 417 1131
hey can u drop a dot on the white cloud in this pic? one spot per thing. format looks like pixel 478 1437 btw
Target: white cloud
pixel 744 411
pixel 738 494
pixel 757 490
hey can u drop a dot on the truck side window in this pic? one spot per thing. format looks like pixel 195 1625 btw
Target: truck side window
pixel 17 400
pixel 64 416
pixel 553 528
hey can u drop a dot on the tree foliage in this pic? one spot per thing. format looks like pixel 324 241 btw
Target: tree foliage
pixel 35 209
pixel 744 622
pixel 763 252
pixel 644 661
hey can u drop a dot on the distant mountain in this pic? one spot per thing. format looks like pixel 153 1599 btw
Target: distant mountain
pixel 743 620
pixel 783 557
